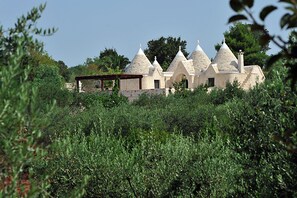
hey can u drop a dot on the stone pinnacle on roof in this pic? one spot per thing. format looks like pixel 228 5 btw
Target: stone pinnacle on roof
pixel 178 58
pixel 198 48
pixel 140 52
pixel 225 59
pixel 157 65
pixel 139 65
pixel 224 45
pixel 200 59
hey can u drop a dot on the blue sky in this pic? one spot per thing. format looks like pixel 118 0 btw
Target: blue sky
pixel 87 27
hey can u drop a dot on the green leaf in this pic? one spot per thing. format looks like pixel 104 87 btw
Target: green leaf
pixel 257 27
pixel 290 8
pixel 264 40
pixel 237 18
pixel 249 3
pixel 285 20
pixel 266 11
pixel 293 2
pixel 292 23
pixel 236 5
pixel 273 59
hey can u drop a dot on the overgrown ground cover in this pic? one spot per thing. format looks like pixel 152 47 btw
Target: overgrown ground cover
pixel 56 143
pixel 223 143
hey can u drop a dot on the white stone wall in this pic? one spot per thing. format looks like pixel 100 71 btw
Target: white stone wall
pixel 70 86
pixel 248 79
pixel 161 78
pixel 147 82
pixel 129 84
pixel 90 86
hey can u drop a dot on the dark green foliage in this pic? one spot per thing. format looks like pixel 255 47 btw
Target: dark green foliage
pixel 109 59
pixel 241 37
pixel 50 86
pixel 108 62
pixel 258 122
pixel 180 145
pixel 232 91
pixel 223 143
pixel 165 49
pixel 92 100
pixel 286 22
pixel 176 166
pixel 63 70
pixel 22 121
pixel 151 101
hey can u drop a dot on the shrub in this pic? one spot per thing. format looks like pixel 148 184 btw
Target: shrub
pixel 21 127
pixel 232 91
pixel 154 167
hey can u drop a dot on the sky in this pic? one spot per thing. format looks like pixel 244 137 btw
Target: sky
pixel 87 27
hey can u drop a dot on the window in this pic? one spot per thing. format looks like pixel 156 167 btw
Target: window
pixel 211 82
pixel 157 84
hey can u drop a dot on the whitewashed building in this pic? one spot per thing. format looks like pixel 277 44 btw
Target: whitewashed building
pixel 142 76
pixel 196 70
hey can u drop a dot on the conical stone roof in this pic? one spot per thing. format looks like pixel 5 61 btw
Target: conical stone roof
pixel 157 65
pixel 178 58
pixel 225 59
pixel 200 59
pixel 139 65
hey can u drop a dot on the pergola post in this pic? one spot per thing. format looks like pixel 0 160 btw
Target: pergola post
pixel 119 83
pixel 102 84
pixel 140 83
pixel 77 85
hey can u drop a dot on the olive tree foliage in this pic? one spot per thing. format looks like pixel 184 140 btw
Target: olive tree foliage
pixel 21 119
pixel 25 27
pixel 244 11
pixel 287 56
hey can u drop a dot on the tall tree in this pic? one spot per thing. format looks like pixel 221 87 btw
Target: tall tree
pixel 109 60
pixel 38 58
pixel 240 37
pixel 287 21
pixel 165 49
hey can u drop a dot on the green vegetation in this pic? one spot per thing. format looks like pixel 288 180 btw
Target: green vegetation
pixel 56 143
pixel 288 47
pixel 108 62
pixel 240 37
pixel 165 49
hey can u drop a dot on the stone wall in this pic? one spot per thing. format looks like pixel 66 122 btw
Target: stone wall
pixel 134 94
pixel 70 86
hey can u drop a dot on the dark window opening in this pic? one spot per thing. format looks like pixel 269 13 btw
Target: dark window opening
pixel 211 82
pixel 185 83
pixel 157 84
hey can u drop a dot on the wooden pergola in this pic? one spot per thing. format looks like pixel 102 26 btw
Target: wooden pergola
pixel 102 78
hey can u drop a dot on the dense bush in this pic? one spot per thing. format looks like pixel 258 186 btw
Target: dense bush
pixel 175 166
pixel 91 100
pixel 21 123
pixel 212 129
pixel 257 123
pixel 232 91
